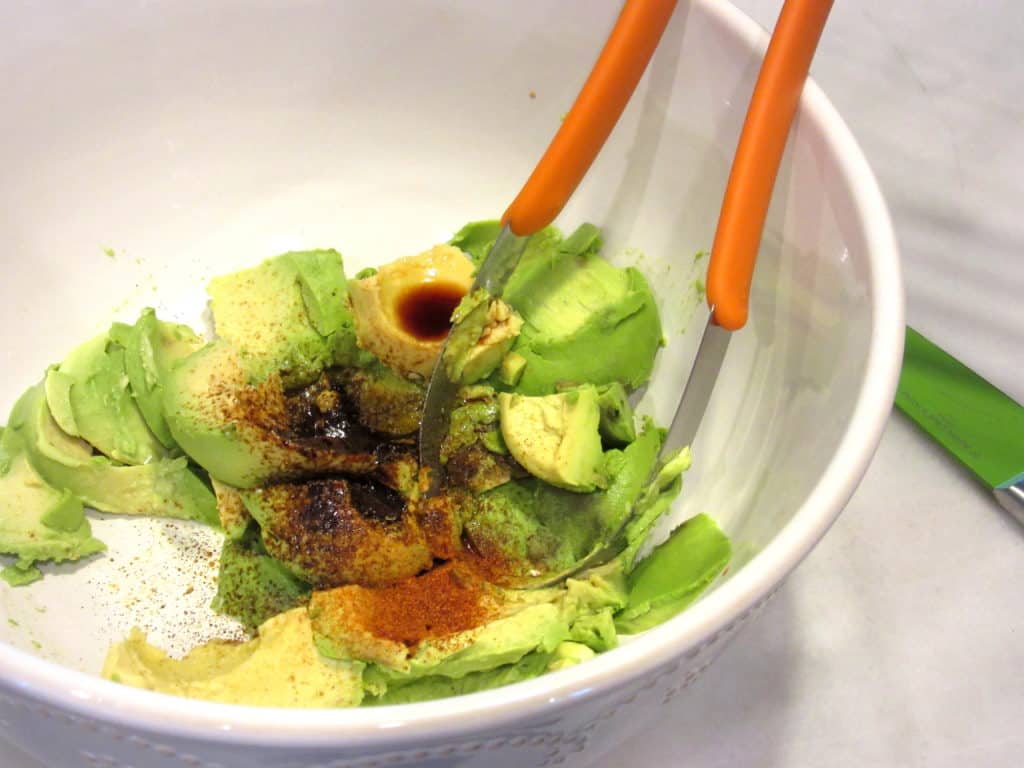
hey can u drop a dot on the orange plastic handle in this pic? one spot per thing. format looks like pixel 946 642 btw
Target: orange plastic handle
pixel 758 154
pixel 593 116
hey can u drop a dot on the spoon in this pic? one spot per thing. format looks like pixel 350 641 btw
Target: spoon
pixel 566 161
pixel 738 235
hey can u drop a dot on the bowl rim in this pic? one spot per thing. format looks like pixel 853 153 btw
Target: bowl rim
pixel 85 695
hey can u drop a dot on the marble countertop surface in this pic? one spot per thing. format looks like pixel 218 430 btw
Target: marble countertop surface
pixel 900 641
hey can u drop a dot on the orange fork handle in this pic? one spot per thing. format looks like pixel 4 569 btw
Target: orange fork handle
pixel 758 154
pixel 593 116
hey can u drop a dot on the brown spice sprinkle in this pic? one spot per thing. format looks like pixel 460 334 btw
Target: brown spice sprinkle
pixel 444 601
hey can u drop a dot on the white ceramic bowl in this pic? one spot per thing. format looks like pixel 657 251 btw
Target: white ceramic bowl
pixel 193 138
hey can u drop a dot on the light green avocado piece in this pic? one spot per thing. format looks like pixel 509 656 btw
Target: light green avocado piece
pixel 476 238
pixel 585 321
pixel 58 397
pixel 530 631
pixel 251 585
pixel 484 331
pixel 288 315
pixel 234 517
pixel 442 687
pixel 555 437
pixel 324 289
pixel 228 426
pixel 540 527
pixel 674 574
pixel 511 370
pixel 617 427
pixel 104 413
pixel 165 487
pixel 152 347
pixel 37 522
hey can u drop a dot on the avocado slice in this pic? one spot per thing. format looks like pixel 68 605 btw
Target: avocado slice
pixel 247 435
pixel 152 347
pixel 484 330
pixel 251 585
pixel 385 402
pixel 287 316
pixel 674 574
pixel 37 522
pixel 555 437
pixel 58 397
pixel 339 531
pixel 103 410
pixel 534 526
pixel 585 321
pixel 166 487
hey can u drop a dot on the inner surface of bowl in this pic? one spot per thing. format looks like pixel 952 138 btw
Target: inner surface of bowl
pixel 149 147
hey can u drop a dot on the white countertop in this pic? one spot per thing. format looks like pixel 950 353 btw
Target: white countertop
pixel 900 641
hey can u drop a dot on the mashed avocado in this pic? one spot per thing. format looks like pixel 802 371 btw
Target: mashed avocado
pixel 294 431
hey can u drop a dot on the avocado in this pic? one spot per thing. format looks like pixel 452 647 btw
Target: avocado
pixel 483 649
pixel 617 425
pixel 476 238
pixel 511 370
pixel 278 668
pixel 340 531
pixel 473 451
pixel 484 331
pixel 37 522
pixel 674 574
pixel 251 585
pixel 534 526
pixel 585 321
pixel 402 312
pixel 286 316
pixel 249 434
pixel 152 347
pixel 166 487
pixel 234 517
pixel 104 412
pixel 58 398
pixel 555 437
pixel 384 401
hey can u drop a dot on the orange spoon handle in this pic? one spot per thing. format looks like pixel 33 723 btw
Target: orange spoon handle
pixel 758 154
pixel 593 116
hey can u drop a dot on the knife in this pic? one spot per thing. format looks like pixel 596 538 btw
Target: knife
pixel 969 417
pixel 567 159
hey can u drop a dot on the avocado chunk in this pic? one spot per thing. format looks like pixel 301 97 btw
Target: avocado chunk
pixel 385 402
pixel 555 437
pixel 288 315
pixel 674 574
pixel 402 311
pixel 279 668
pixel 617 426
pixel 473 451
pixel 58 398
pixel 152 347
pixel 585 321
pixel 484 330
pixel 104 412
pixel 340 531
pixel 487 637
pixel 531 526
pixel 251 585
pixel 37 521
pixel 234 517
pixel 166 487
pixel 250 434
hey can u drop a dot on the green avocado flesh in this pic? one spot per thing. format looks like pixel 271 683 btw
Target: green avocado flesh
pixel 285 434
